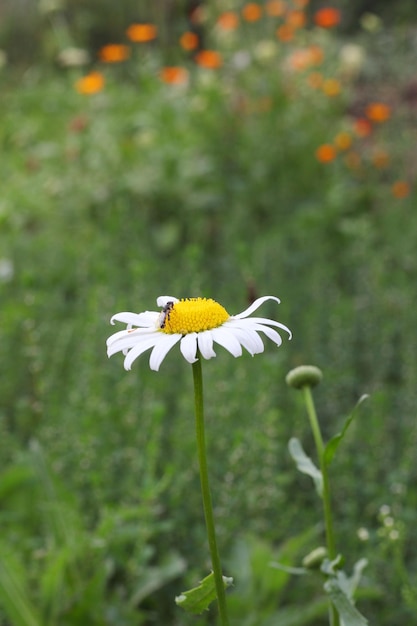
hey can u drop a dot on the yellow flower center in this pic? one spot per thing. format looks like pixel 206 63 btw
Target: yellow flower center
pixel 192 315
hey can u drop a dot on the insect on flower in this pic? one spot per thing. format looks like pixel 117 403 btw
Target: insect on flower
pixel 165 313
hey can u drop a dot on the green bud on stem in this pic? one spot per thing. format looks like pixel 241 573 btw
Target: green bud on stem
pixel 304 376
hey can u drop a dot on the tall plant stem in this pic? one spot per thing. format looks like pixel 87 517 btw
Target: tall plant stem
pixel 205 491
pixel 328 518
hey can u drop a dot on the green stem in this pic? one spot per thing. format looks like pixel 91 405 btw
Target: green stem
pixel 328 519
pixel 205 491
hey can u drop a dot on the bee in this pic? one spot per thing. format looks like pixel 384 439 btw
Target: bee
pixel 165 313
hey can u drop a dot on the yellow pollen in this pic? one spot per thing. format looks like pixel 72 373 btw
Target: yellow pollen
pixel 193 315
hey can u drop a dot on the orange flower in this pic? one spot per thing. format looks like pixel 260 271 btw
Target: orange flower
pixel 114 53
pixel 90 84
pixel 174 75
pixel 299 59
pixel 380 159
pixel 300 4
pixel 326 153
pixel 315 80
pixel 189 41
pixel 378 112
pixel 285 33
pixel 275 8
pixel 141 33
pixel 362 127
pixel 327 17
pixel 296 19
pixel 252 12
pixel 343 141
pixel 228 20
pixel 210 59
pixel 400 189
pixel 303 58
pixel 331 87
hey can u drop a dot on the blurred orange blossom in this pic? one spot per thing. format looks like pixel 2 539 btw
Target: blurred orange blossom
pixel 285 33
pixel 400 189
pixel 141 33
pixel 228 20
pixel 252 12
pixel 296 19
pixel 331 87
pixel 275 8
pixel 343 140
pixel 209 59
pixel 174 75
pixel 378 112
pixel 326 153
pixel 114 53
pixel 362 127
pixel 90 83
pixel 189 41
pixel 328 17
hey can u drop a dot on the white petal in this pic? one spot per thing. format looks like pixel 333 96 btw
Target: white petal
pixel 163 300
pixel 255 305
pixel 249 339
pixel 139 348
pixel 270 333
pixel 127 339
pixel 147 318
pixel 226 339
pixel 161 349
pixel 188 347
pixel 205 344
pixel 261 320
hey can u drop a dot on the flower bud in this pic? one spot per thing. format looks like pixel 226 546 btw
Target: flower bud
pixel 304 376
pixel 314 559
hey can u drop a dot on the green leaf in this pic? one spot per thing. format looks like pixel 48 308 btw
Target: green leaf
pixel 199 598
pixel 333 444
pixel 14 598
pixel 305 464
pixel 349 614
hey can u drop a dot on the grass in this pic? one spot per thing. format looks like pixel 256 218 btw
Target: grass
pixel 210 188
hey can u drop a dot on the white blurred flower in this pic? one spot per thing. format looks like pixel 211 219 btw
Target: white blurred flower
pixel 265 50
pixel 73 57
pixel 352 59
pixel 385 509
pixel 196 324
pixel 363 534
pixel 371 22
pixel 241 60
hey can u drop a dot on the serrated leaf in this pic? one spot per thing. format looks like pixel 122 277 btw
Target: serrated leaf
pixel 349 614
pixel 333 444
pixel 199 598
pixel 304 464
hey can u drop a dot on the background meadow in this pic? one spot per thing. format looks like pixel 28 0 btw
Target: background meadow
pixel 228 150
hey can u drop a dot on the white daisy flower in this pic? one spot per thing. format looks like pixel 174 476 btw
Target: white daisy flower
pixel 196 324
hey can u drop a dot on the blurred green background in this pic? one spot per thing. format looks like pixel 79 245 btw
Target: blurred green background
pixel 287 169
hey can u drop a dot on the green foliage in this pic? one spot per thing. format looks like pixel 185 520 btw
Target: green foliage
pixel 304 464
pixel 208 188
pixel 198 599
